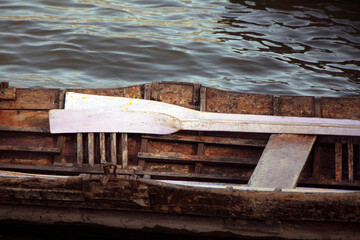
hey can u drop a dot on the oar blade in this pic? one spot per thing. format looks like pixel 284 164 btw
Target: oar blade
pixel 83 121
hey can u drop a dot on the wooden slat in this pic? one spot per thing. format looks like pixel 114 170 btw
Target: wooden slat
pixel 30 98
pixel 60 143
pixel 102 148
pixel 282 161
pixel 338 162
pixel 316 163
pixel 196 159
pixel 201 146
pixel 193 176
pixel 113 148
pixel 30 149
pixel 211 140
pixel 124 150
pixel 79 149
pixel 8 94
pixel 350 147
pixel 24 120
pixel 91 149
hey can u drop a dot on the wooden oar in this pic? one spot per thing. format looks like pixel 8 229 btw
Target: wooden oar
pixel 114 114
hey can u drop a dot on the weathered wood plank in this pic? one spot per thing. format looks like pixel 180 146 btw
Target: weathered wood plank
pixel 196 159
pixel 282 161
pixel 79 149
pixel 24 120
pixel 124 150
pixel 31 98
pixel 102 148
pixel 338 161
pixel 7 94
pixel 113 148
pixel 91 149
pixel 350 148
pixel 30 149
pixel 316 163
pixel 211 140
pixel 60 143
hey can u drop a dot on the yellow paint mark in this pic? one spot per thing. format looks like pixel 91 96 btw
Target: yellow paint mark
pixel 126 109
pixel 130 103
pixel 149 102
pixel 83 97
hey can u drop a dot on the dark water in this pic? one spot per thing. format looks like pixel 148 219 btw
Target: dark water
pixel 283 47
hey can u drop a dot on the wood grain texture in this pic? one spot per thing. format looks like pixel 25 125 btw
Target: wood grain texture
pixel 91 149
pixel 338 162
pixel 283 159
pixel 124 150
pixel 113 148
pixel 79 149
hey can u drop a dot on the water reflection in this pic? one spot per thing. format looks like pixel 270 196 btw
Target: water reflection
pixel 321 38
pixel 302 48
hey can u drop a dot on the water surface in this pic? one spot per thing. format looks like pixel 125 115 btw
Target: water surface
pixel 277 47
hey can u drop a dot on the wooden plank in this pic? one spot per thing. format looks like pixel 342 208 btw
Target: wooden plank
pixel 30 149
pixel 91 149
pixel 60 143
pixel 113 148
pixel 338 162
pixel 24 120
pixel 79 149
pixel 30 98
pixel 316 163
pixel 102 148
pixel 282 161
pixel 124 150
pixel 196 159
pixel 210 139
pixel 25 129
pixel 8 94
pixel 350 147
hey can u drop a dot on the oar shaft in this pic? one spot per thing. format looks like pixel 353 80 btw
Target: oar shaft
pixel 287 125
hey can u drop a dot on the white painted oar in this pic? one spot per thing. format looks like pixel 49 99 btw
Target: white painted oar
pixel 85 121
pixel 116 114
pixel 96 102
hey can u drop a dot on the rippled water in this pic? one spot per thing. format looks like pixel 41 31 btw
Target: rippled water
pixel 278 47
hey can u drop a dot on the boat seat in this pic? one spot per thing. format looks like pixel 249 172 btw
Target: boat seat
pixel 282 161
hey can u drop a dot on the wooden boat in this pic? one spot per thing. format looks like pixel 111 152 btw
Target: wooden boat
pixel 226 184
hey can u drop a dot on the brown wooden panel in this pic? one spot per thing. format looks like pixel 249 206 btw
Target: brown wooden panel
pixel 210 139
pixel 169 167
pixel 8 94
pixel 32 99
pixel 338 162
pixel 27 140
pixel 244 173
pixel 191 159
pixel 233 151
pixel 130 92
pixel 347 108
pixel 171 147
pixel 24 119
pixel 296 106
pixel 233 102
pixel 177 93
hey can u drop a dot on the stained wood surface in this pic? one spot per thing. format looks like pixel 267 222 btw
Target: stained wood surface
pixel 283 159
pixel 24 120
